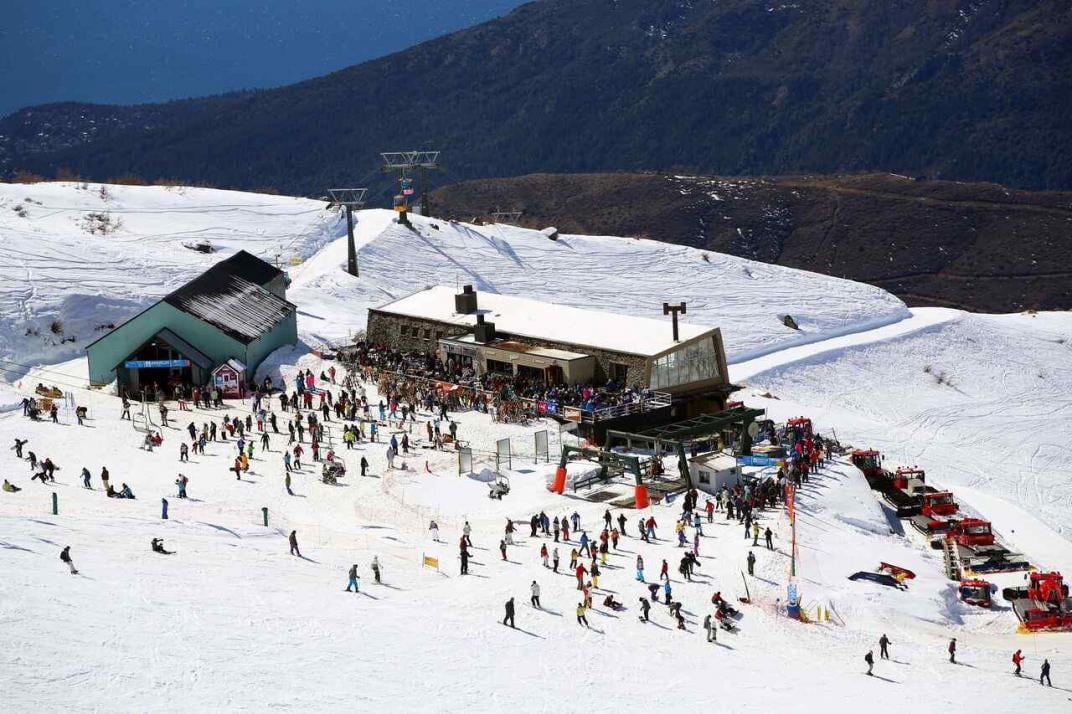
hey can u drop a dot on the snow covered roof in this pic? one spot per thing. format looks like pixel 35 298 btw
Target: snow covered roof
pixel 534 319
pixel 241 309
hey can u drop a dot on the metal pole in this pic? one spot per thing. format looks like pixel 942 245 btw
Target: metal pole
pixel 424 192
pixel 351 249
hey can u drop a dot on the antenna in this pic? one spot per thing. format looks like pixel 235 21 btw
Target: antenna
pixel 404 161
pixel 349 198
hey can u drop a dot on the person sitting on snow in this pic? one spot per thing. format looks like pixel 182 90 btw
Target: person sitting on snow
pixel 157 545
pixel 10 487
pixel 611 603
pixel 125 492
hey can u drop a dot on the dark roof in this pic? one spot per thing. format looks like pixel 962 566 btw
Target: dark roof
pixel 229 296
pixel 240 308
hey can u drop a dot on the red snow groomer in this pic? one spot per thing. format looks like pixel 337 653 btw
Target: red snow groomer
pixel 974 591
pixel 1043 605
pixel 870 462
pixel 798 429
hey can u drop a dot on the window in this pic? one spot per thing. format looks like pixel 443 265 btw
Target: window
pixel 427 333
pixel 497 367
pixel 705 476
pixel 695 362
pixel 403 330
pixel 618 371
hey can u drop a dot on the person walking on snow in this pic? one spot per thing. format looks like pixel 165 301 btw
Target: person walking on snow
pixel 535 590
pixel 883 643
pixel 1045 675
pixel 640 568
pixel 554 560
pixel 509 613
pixel 376 568
pixel 543 554
pixel 768 535
pixel 710 626
pixel 870 659
pixel 664 572
pixel 751 563
pixel 353 580
pixel 953 650
pixel 294 544
pixel 502 548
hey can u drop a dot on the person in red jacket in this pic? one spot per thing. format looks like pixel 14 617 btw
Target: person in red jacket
pixel 1017 659
pixel 580 572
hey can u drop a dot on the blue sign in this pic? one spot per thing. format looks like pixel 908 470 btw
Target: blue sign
pixel 756 461
pixel 156 363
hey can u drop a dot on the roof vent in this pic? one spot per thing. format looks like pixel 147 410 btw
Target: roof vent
pixel 465 301
pixel 483 332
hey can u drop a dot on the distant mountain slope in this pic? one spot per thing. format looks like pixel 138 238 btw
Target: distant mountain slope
pixel 975 246
pixel 964 89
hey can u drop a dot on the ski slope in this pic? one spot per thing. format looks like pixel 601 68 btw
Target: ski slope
pixel 231 622
pixel 56 264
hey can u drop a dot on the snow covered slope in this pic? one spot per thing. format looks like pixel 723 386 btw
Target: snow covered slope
pixel 981 402
pixel 88 255
pixel 624 275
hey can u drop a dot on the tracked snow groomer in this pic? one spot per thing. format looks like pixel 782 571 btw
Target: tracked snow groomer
pixel 1042 605
pixel 870 462
pixel 974 591
pixel 971 541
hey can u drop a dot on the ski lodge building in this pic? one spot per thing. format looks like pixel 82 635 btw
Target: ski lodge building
pixel 553 343
pixel 217 328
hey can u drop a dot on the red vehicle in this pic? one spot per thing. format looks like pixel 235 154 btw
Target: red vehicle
pixel 1047 588
pixel 799 429
pixel 975 592
pixel 868 460
pixel 902 476
pixel 939 503
pixel 970 532
pixel 1042 605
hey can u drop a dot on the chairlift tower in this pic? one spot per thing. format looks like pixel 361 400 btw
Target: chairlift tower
pixel 404 162
pixel 349 198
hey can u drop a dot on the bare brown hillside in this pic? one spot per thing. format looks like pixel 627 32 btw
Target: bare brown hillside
pixel 976 246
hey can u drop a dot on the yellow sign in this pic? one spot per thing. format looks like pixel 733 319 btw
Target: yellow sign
pixel 431 562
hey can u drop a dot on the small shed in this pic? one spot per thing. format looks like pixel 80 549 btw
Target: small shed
pixel 710 472
pixel 230 379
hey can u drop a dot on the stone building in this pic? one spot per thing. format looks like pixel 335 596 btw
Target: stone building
pixel 553 343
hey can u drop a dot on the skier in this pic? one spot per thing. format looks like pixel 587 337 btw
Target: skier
pixel 1045 673
pixel 509 612
pixel 465 559
pixel 65 556
pixel 1017 659
pixel 535 589
pixel 181 482
pixel 953 650
pixel 353 580
pixel 466 531
pixel 870 659
pixel 376 568
pixel 640 568
pixel 434 528
pixel 751 563
pixel 883 643
pixel 581 619
pixel 85 478
pixel 294 544
pixel 768 535
pixel 544 554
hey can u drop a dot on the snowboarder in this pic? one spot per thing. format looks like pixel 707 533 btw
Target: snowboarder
pixel 1045 673
pixel 376 568
pixel 751 563
pixel 294 544
pixel 870 659
pixel 509 612
pixel 1017 659
pixel 19 443
pixel 645 606
pixel 535 590
pixel 353 580
pixel 65 556
pixel 883 643
pixel 953 650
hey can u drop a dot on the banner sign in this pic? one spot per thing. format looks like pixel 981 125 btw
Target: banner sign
pixel 756 461
pixel 156 363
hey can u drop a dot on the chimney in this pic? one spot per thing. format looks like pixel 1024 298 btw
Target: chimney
pixel 483 332
pixel 465 301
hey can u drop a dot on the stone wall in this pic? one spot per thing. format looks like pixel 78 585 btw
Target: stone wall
pixel 408 333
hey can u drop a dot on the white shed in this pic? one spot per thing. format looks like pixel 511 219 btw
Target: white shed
pixel 710 472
